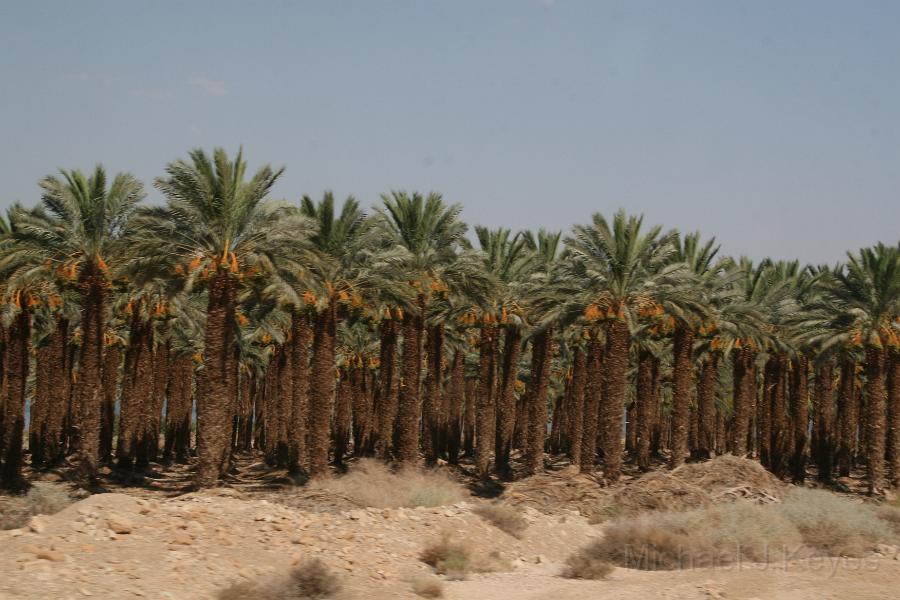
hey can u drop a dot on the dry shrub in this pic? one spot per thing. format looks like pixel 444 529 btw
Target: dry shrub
pixel 658 491
pixel 503 517
pixel 41 499
pixel 726 478
pixel 588 563
pixel 891 515
pixel 833 525
pixel 428 587
pixel 456 558
pixel 448 556
pixel 717 535
pixel 309 580
pixel 371 483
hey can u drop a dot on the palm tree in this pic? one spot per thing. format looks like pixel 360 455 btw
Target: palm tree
pixel 425 237
pixel 335 278
pixel 617 265
pixel 507 259
pixel 219 228
pixel 79 233
pixel 684 297
pixel 868 291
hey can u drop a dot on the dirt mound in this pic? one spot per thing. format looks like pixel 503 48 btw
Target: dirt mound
pixel 657 491
pixel 727 478
pixel 550 492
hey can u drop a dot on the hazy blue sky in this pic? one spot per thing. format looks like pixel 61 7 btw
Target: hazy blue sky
pixel 773 125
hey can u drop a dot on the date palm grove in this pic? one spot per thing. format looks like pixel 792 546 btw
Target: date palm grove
pixel 224 322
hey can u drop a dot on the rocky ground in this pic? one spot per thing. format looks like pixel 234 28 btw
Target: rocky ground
pixel 147 544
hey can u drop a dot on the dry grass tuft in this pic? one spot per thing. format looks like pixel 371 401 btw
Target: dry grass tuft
pixel 310 580
pixel 448 556
pixel 588 563
pixel 718 535
pixel 503 517
pixel 371 483
pixel 833 525
pixel 428 587
pixel 41 499
pixel 890 514
pixel 807 523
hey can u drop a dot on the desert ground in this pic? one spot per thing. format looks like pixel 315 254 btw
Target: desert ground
pixel 153 541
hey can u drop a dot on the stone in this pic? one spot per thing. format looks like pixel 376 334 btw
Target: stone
pixel 119 524
pixel 38 524
pixel 51 555
pixel 182 538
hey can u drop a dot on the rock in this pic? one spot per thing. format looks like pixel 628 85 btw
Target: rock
pixel 182 538
pixel 194 527
pixel 38 524
pixel 119 524
pixel 51 555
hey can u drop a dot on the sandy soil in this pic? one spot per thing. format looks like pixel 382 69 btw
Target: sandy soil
pixel 189 546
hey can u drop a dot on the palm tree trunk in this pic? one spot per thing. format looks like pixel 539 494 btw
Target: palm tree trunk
pixel 16 376
pixel 631 429
pixel 682 382
pixel 110 382
pixel 645 409
pixel 260 404
pixel 875 418
pixel 485 411
pixel 542 356
pixel 657 420
pixel 408 408
pixel 40 406
pixel 593 393
pixel 618 343
pixel 301 336
pixel 213 401
pixel 386 404
pixel 823 405
pixel 270 399
pixel 93 290
pixel 559 419
pixel 776 370
pixel 178 411
pixel 800 416
pixel 506 399
pixel 706 407
pixel 55 441
pixel 145 402
pixel 342 417
pixel 362 409
pixel 434 352
pixel 134 393
pixel 744 383
pixel 321 392
pixel 893 408
pixel 470 395
pixel 285 403
pixel 4 351
pixel 847 417
pixel 455 402
pixel 576 418
pixel 160 369
pixel 721 433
